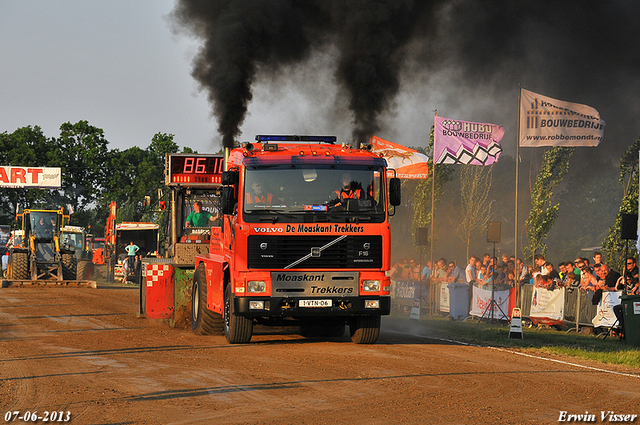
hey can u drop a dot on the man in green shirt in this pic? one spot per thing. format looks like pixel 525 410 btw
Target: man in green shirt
pixel 199 218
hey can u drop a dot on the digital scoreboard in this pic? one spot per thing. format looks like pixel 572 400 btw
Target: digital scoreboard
pixel 193 170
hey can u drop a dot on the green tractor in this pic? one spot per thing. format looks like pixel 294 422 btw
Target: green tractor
pixel 74 238
pixel 37 253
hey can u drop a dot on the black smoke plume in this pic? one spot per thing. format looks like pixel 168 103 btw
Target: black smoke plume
pixel 585 51
pixel 244 36
pixel 239 37
pixel 371 39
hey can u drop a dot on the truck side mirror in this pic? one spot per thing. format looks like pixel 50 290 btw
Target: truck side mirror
pixel 229 198
pixel 230 178
pixel 395 191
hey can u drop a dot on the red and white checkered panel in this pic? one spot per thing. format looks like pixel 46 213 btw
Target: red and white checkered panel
pixel 155 272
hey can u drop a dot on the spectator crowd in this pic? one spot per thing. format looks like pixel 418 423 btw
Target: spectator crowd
pixel 595 277
pixel 489 273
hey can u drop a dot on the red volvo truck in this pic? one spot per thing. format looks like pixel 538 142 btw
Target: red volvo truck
pixel 305 241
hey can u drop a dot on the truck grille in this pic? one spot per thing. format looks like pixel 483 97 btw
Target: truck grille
pixel 279 252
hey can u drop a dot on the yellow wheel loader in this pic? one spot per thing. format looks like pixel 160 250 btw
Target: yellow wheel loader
pixel 37 255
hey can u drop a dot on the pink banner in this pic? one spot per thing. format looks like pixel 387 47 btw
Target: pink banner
pixel 462 142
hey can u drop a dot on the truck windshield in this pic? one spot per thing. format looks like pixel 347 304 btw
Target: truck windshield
pixel 44 224
pixel 72 240
pixel 314 193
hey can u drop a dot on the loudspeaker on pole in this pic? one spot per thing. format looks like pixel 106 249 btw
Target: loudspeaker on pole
pixel 494 232
pixel 629 226
pixel 422 236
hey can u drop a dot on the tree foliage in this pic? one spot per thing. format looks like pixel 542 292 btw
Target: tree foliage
pixel 81 152
pixel 555 164
pixel 422 189
pixel 590 197
pixel 137 185
pixel 27 146
pixel 415 210
pixel 613 247
pixel 476 205
pixel 92 175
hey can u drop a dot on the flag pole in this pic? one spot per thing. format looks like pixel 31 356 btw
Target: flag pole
pixel 433 186
pixel 517 179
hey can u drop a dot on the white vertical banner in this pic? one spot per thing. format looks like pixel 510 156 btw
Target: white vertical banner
pixel 444 297
pixel 605 317
pixel 482 301
pixel 547 307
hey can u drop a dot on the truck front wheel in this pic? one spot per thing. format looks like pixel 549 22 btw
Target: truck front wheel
pixel 365 329
pixel 203 320
pixel 237 329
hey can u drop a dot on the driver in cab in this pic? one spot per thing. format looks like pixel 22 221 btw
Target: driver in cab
pixel 349 190
pixel 44 228
pixel 257 195
pixel 200 218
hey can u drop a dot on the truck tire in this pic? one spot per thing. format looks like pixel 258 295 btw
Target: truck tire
pixel 20 266
pixel 365 329
pixel 203 320
pixel 237 329
pixel 85 270
pixel 69 267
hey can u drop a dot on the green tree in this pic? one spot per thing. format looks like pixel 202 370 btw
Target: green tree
pixel 555 164
pixel 590 202
pixel 613 246
pixel 415 210
pixel 81 152
pixel 475 205
pixel 27 146
pixel 137 175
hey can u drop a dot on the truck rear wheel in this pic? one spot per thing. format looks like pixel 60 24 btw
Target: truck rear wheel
pixel 365 329
pixel 237 329
pixel 20 266
pixel 69 267
pixel 203 320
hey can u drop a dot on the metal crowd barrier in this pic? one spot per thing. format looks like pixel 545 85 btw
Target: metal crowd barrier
pixel 577 303
pixel 404 292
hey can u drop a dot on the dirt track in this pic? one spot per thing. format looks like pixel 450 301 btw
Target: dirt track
pixel 86 352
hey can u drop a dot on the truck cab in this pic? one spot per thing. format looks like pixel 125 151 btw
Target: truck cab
pixel 305 240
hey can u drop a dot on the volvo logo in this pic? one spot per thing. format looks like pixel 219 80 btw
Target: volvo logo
pixel 366 246
pixel 315 251
pixel 263 246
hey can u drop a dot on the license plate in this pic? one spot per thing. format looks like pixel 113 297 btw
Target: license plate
pixel 314 303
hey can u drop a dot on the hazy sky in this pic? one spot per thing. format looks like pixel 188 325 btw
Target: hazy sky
pixel 119 65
